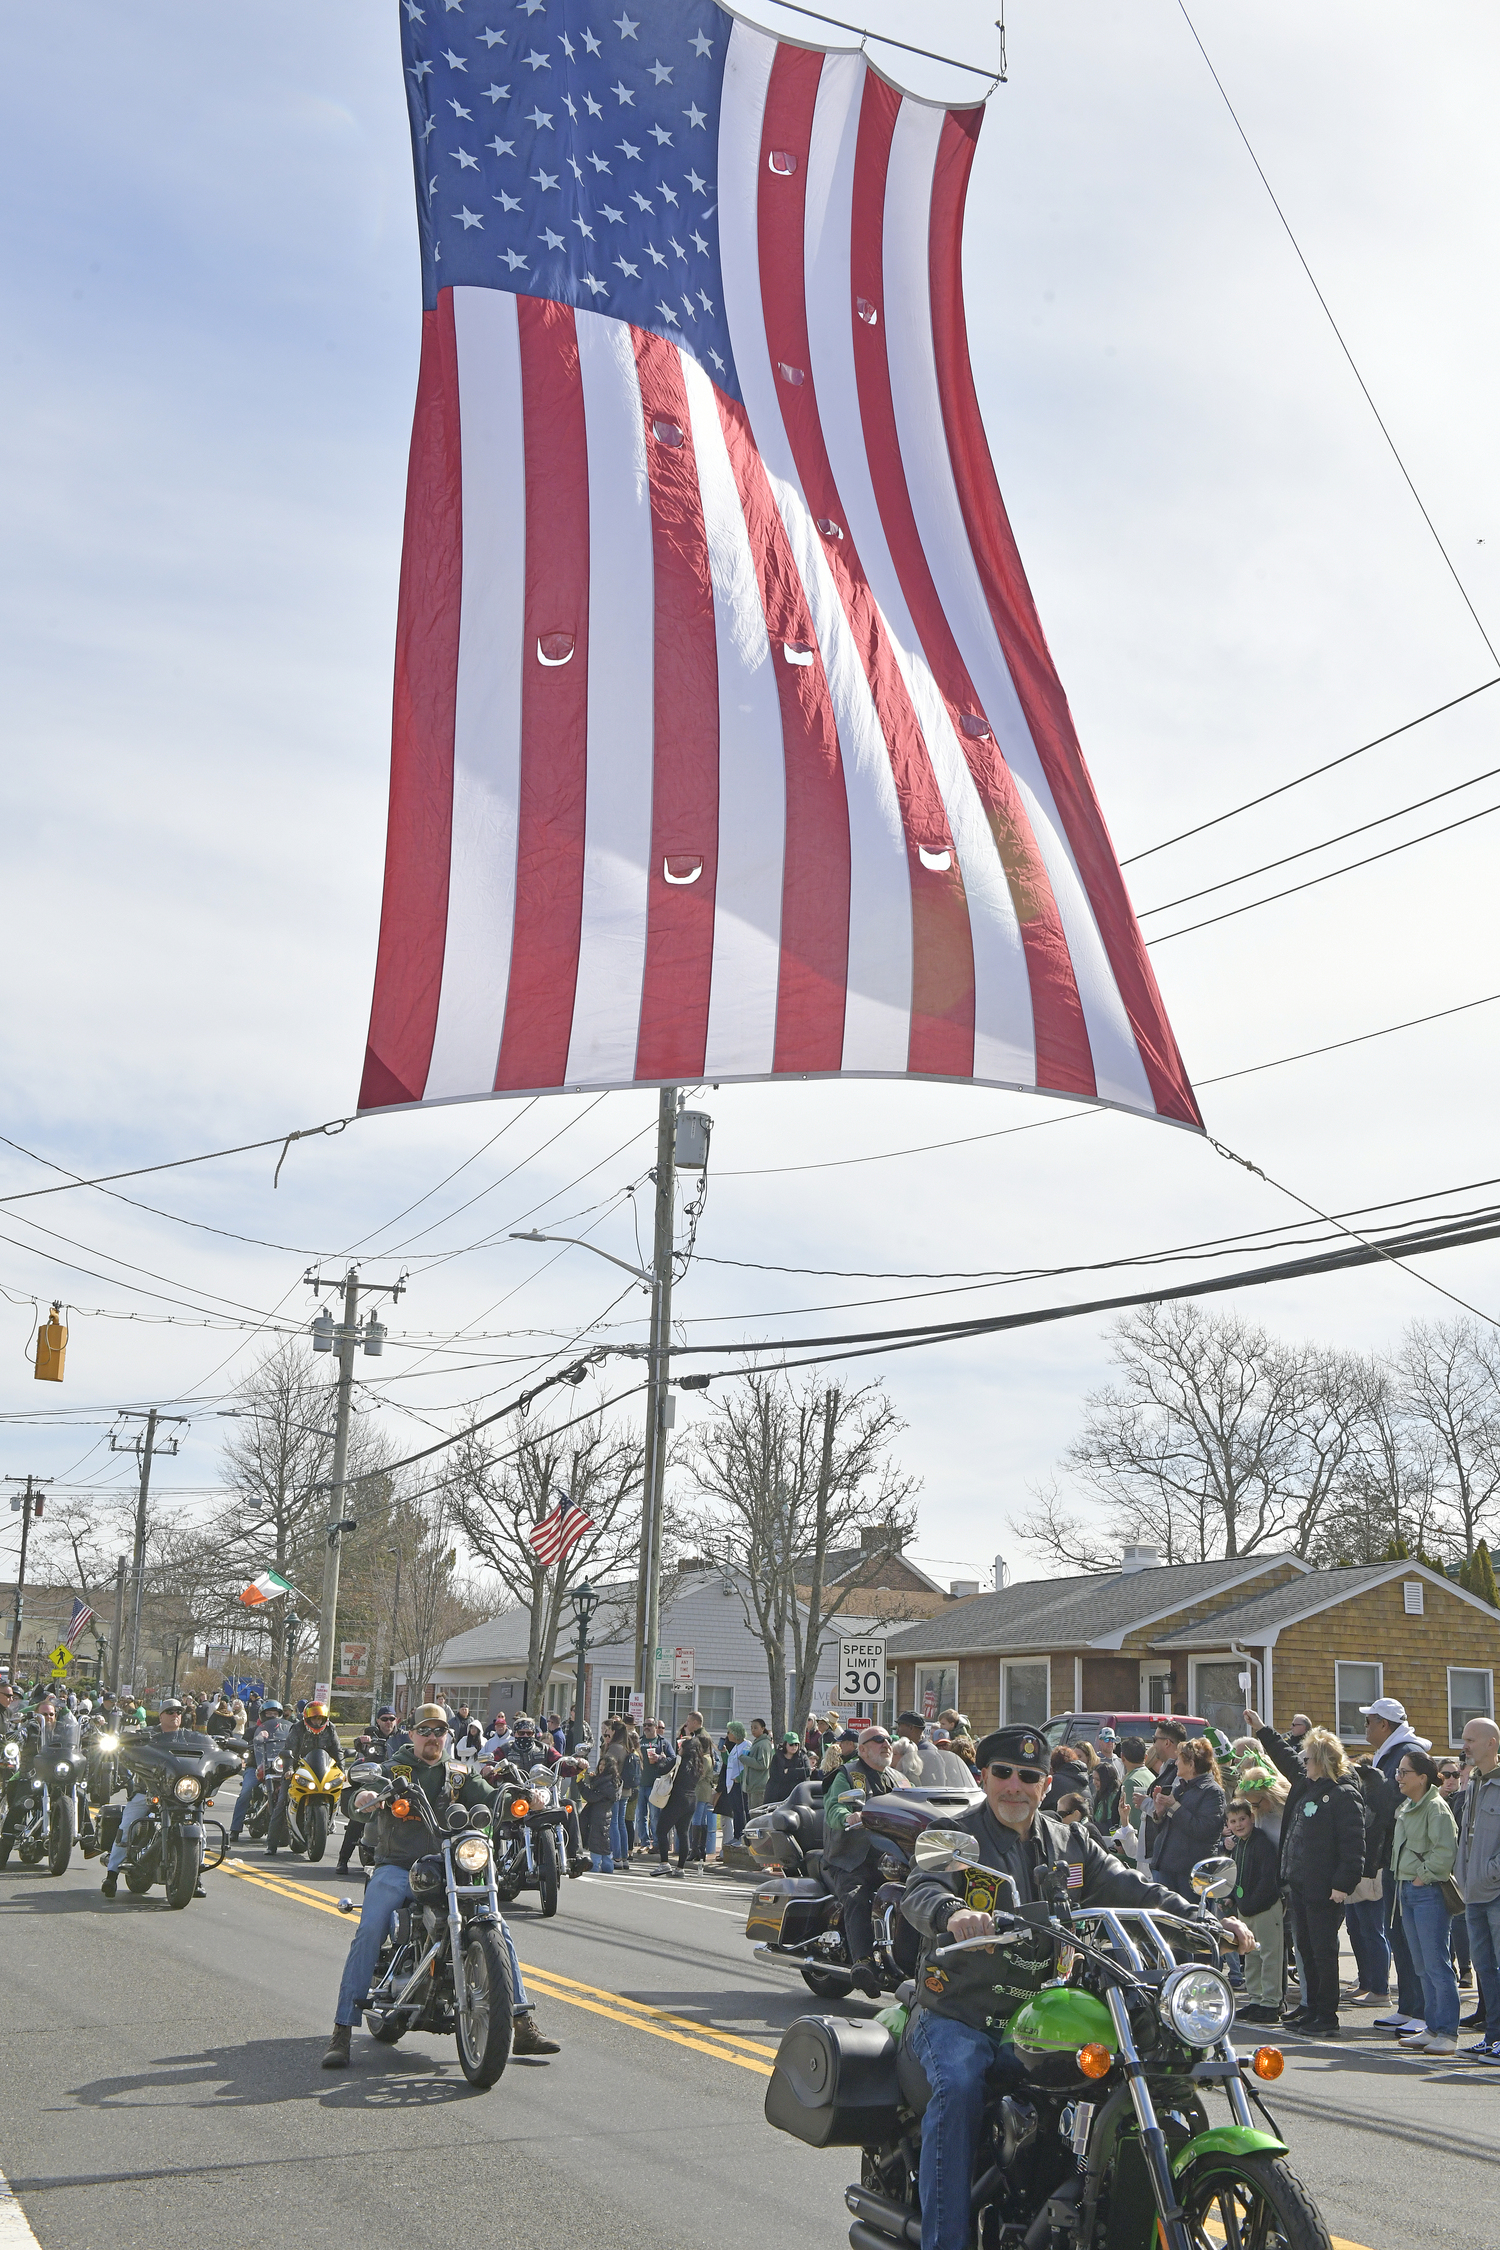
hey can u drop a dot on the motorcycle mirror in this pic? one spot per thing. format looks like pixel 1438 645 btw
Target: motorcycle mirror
pixel 538 1772
pixel 937 1850
pixel 1213 1878
pixel 346 1906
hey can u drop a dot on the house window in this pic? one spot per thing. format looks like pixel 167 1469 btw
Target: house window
pixel 937 1689
pixel 1217 1695
pixel 1471 1695
pixel 715 1703
pixel 1027 1694
pixel 1353 1685
pixel 618 1694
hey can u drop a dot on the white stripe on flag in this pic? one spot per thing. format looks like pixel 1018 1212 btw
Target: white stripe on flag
pixel 752 770
pixel 1004 1047
pixel 621 742
pixel 487 715
pixel 877 1012
pixel 1118 1070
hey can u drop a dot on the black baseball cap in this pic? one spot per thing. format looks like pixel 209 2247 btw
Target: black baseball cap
pixel 1021 1745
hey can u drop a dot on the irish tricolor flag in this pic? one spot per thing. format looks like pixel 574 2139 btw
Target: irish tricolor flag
pixel 267 1588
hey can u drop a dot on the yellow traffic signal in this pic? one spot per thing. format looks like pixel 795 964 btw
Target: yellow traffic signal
pixel 51 1348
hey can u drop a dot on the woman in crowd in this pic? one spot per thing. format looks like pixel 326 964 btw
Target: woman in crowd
pixel 730 1801
pixel 1070 1773
pixel 789 1765
pixel 1423 1850
pixel 694 1759
pixel 1073 1812
pixel 627 1747
pixel 1322 1859
pixel 1192 1819
pixel 599 1791
pixel 1451 1782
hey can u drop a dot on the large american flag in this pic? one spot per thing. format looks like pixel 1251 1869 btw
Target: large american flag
pixel 559 1531
pixel 82 1615
pixel 727 743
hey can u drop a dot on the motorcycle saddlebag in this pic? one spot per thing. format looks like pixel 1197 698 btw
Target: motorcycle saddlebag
pixel 110 1817
pixel 834 2084
pixel 788 1908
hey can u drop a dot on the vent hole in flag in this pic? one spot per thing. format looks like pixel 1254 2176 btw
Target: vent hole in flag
pixel 555 648
pixel 792 375
pixel 782 162
pixel 829 528
pixel 679 869
pixel 667 433
pixel 975 727
pixel 939 862
pixel 866 311
pixel 796 652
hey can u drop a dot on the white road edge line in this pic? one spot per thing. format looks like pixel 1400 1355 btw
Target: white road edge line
pixel 15 2227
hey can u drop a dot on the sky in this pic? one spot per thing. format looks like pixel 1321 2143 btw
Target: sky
pixel 211 300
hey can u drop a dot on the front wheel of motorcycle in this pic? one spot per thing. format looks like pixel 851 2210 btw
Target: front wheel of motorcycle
pixel 182 1862
pixel 315 1821
pixel 60 1841
pixel 1249 2199
pixel 548 1873
pixel 485 2020
pixel 828 1984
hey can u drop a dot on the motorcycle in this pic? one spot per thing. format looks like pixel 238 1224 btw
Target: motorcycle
pixel 263 1796
pixel 102 1750
pixel 530 1830
pixel 442 1965
pixel 1106 2144
pixel 170 1844
pixel 312 1798
pixel 796 1916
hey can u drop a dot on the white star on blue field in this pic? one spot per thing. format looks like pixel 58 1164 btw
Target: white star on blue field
pixel 564 151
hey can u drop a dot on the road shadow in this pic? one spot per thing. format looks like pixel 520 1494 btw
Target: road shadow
pixel 262 2073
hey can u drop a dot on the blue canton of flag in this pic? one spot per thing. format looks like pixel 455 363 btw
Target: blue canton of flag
pixel 568 153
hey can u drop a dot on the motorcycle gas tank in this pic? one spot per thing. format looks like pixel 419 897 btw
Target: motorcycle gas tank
pixel 1048 2030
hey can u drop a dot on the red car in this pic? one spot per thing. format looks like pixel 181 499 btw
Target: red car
pixel 1084 1726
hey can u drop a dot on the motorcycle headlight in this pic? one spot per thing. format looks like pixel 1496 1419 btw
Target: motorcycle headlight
pixel 304 1774
pixel 472 1854
pixel 1198 2005
pixel 12 1754
pixel 108 1743
pixel 63 1770
pixel 187 1788
pixel 276 1765
pixel 539 1799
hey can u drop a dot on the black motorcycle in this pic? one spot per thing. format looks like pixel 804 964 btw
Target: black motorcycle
pixel 532 1827
pixel 172 1843
pixel 263 1796
pixel 443 1966
pixel 796 1916
pixel 1106 2144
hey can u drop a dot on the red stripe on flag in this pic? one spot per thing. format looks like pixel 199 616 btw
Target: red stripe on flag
pixel 554 704
pixel 685 771
pixel 1063 1058
pixel 813 975
pixel 414 912
pixel 1019 628
pixel 942 1000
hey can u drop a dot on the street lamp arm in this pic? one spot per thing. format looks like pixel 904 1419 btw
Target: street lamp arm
pixel 578 1243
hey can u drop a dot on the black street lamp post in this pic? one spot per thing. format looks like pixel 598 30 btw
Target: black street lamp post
pixel 585 1599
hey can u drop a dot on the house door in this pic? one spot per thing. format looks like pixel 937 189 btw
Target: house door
pixel 1217 1694
pixel 1156 1687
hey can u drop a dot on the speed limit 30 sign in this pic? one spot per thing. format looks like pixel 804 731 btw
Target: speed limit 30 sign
pixel 862 1671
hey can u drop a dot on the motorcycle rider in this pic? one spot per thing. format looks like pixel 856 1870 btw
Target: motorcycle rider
pixel 266 1743
pixel 399 1844
pixel 955 2030
pixel 385 1742
pixel 311 1730
pixel 165 1735
pixel 849 1862
pixel 15 1727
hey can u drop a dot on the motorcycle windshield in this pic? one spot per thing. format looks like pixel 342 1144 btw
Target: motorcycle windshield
pixel 316 1760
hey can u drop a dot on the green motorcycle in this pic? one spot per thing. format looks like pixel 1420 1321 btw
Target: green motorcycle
pixel 1107 2144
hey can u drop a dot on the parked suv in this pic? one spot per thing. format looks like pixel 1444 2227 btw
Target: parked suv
pixel 1084 1726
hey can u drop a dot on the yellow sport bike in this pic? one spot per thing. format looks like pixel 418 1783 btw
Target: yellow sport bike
pixel 312 1796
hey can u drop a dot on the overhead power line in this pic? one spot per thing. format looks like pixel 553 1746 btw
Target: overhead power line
pixel 1312 774
pixel 73 1180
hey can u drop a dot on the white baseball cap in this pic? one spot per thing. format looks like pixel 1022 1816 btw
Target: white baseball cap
pixel 1385 1707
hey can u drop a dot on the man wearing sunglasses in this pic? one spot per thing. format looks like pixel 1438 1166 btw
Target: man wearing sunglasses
pixel 399 1844
pixel 956 2028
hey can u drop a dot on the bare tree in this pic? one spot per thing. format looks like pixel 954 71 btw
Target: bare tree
pixel 785 1476
pixel 499 1493
pixel 1449 1375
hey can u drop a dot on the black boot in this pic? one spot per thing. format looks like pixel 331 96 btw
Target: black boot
pixel 110 1884
pixel 337 2057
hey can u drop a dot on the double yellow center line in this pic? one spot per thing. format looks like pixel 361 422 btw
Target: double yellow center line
pixel 703 2039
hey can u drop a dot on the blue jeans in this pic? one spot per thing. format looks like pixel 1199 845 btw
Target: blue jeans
pixel 956 2061
pixel 702 1826
pixel 385 1891
pixel 619 1832
pixel 1365 1922
pixel 1408 1983
pixel 1484 1945
pixel 645 1811
pixel 135 1810
pixel 1425 1920
pixel 247 1791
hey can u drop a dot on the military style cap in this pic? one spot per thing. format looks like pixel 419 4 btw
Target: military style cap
pixel 1022 1744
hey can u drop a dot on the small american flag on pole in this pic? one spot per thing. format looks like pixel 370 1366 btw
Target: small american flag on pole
pixel 556 1533
pixel 82 1615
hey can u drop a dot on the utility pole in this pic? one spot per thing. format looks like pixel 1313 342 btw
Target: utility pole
pixel 648 1587
pixel 345 1337
pixel 144 1448
pixel 29 1505
pixel 114 1655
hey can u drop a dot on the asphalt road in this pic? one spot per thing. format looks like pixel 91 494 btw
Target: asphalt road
pixel 160 2085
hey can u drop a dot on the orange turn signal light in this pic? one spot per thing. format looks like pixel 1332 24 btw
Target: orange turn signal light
pixel 1095 2061
pixel 400 1808
pixel 520 1809
pixel 1268 2062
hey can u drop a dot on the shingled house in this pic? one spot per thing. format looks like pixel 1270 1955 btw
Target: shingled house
pixel 1181 1637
